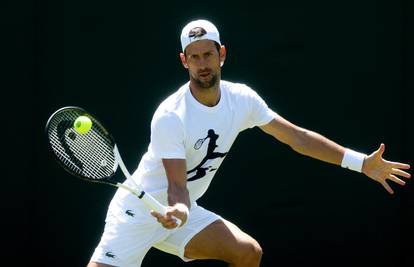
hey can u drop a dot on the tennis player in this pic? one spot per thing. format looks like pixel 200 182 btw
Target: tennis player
pixel 191 134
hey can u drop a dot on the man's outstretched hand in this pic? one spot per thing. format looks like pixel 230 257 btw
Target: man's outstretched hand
pixel 381 170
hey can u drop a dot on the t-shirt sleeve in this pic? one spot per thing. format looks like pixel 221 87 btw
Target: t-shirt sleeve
pixel 258 111
pixel 167 137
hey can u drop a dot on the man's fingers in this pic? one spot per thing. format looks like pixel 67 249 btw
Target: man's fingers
pixel 166 220
pixel 169 213
pixel 381 150
pixel 401 173
pixel 156 214
pixel 170 224
pixel 396 179
pixel 398 165
pixel 387 187
pixel 171 218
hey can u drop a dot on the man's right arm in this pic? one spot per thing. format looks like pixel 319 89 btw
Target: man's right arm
pixel 178 196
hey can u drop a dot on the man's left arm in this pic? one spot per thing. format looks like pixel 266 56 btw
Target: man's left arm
pixel 314 145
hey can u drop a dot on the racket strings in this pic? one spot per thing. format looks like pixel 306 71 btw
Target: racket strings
pixel 89 155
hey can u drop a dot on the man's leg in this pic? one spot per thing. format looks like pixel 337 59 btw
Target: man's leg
pixel 126 244
pixel 222 240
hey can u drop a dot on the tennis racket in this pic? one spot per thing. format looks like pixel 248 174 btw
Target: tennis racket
pixel 92 156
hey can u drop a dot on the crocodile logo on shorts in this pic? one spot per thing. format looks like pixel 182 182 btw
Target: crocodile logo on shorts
pixel 109 254
pixel 130 213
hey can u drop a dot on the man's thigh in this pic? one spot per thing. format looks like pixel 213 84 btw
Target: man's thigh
pixel 176 242
pixel 221 240
pixel 126 244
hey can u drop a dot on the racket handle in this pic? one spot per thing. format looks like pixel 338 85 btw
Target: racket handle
pixel 152 203
pixel 149 201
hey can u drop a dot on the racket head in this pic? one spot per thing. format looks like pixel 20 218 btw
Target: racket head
pixel 89 156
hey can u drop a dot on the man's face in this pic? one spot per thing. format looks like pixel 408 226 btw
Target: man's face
pixel 203 62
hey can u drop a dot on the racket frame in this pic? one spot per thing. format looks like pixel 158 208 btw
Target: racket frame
pixel 138 191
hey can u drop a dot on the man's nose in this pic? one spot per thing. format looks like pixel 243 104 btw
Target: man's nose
pixel 202 61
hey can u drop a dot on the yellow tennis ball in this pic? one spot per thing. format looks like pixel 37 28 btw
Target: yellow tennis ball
pixel 82 124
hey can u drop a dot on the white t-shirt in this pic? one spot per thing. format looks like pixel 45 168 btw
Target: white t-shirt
pixel 183 128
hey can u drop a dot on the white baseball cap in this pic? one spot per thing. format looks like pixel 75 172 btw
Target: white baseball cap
pixel 199 30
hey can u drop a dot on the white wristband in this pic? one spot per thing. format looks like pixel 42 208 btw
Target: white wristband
pixel 353 160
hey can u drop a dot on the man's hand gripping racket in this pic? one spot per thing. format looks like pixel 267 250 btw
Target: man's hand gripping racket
pixel 92 156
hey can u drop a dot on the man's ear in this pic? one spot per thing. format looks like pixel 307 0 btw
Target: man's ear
pixel 183 60
pixel 223 53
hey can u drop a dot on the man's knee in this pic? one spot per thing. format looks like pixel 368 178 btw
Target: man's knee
pixel 224 241
pixel 249 254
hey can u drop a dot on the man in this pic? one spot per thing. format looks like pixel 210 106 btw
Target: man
pixel 191 133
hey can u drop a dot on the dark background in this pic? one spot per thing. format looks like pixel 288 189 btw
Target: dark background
pixel 343 69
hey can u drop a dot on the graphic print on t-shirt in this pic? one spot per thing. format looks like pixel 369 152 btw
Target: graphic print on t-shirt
pixel 199 169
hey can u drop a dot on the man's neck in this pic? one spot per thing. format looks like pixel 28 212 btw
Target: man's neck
pixel 206 96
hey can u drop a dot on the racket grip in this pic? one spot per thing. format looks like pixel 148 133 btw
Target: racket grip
pixel 153 204
pixel 149 201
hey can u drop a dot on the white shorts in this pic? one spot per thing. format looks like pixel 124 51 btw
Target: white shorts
pixel 125 242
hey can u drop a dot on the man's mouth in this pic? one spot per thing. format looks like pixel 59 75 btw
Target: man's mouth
pixel 204 74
